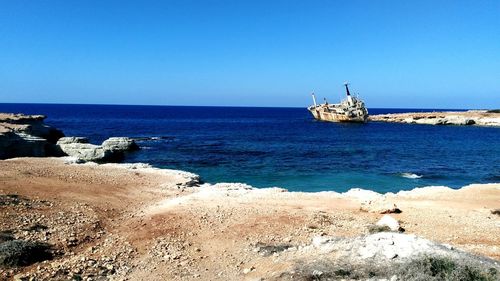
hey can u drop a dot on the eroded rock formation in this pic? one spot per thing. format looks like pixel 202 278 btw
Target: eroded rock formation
pixel 28 136
pixel 111 150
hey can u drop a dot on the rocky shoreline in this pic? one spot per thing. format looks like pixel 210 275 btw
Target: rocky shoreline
pixel 28 136
pixel 135 222
pixel 465 118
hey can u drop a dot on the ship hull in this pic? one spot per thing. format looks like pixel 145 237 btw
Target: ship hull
pixel 335 117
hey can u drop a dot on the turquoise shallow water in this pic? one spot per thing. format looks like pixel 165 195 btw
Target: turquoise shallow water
pixel 285 147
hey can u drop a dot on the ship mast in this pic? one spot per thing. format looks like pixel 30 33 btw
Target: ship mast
pixel 349 98
pixel 314 100
pixel 347 88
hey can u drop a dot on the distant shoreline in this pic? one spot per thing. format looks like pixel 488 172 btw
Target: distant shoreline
pixel 471 117
pixel 410 109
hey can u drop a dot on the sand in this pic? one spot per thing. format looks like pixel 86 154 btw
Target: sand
pixel 135 222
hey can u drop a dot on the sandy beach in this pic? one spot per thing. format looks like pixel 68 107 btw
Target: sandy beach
pixel 133 222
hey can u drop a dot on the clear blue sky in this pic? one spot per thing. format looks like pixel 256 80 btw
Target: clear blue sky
pixel 432 54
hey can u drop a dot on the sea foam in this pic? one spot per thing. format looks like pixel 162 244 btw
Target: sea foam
pixel 410 176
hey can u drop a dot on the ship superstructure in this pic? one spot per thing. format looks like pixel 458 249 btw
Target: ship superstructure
pixel 350 109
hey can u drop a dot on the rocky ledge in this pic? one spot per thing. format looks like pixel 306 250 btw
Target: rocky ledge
pixel 471 117
pixel 111 150
pixel 28 136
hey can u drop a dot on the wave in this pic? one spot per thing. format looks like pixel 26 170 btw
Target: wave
pixel 168 138
pixel 410 176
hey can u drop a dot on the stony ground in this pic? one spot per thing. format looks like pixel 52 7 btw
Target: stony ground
pixel 132 223
pixel 472 117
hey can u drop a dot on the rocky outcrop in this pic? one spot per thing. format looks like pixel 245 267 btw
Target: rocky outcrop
pixel 465 118
pixel 26 135
pixel 386 256
pixel 68 140
pixel 111 150
pixel 120 144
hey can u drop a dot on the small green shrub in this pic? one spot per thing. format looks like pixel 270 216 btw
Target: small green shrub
pixel 440 267
pixel 378 228
pixel 342 272
pixel 443 268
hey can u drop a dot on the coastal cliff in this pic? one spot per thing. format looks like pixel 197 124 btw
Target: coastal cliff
pixel 28 136
pixel 472 117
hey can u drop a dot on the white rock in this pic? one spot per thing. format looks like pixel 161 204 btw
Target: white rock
pixel 248 270
pixel 390 222
pixel 85 151
pixel 318 241
pixel 66 140
pixel 362 195
pixel 120 144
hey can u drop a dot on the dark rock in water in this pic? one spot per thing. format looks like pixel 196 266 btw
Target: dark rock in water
pixel 16 253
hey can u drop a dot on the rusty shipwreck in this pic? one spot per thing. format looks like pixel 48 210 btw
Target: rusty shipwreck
pixel 350 109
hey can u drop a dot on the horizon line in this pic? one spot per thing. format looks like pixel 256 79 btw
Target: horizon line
pixel 236 106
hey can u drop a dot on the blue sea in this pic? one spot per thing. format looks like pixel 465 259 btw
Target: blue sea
pixel 286 147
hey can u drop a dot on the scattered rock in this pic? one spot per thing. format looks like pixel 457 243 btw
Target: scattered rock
pixel 248 270
pixel 386 256
pixel 380 207
pixel 268 250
